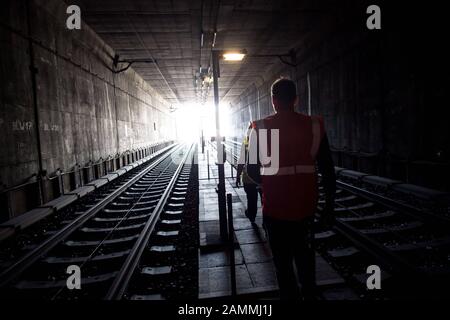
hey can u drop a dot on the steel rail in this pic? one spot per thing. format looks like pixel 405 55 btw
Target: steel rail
pixel 393 204
pixel 16 269
pixel 123 277
pixel 391 260
pixel 388 259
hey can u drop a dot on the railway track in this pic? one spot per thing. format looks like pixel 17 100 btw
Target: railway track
pixel 410 244
pixel 126 235
pixel 42 223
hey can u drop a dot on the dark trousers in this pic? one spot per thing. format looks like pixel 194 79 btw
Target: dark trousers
pixel 292 242
pixel 252 199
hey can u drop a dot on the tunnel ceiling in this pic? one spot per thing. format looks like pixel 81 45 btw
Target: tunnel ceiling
pixel 170 32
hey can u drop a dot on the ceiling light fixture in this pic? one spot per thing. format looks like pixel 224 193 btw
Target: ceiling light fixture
pixel 234 56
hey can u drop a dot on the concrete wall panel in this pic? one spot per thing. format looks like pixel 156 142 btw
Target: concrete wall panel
pixel 84 108
pixel 379 94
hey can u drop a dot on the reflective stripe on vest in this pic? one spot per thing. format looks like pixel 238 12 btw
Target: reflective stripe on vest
pixel 291 170
pixel 298 169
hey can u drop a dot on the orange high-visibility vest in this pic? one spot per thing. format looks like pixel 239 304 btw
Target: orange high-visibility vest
pixel 292 192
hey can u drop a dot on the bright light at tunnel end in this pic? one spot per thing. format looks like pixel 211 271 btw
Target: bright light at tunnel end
pixel 192 119
pixel 187 122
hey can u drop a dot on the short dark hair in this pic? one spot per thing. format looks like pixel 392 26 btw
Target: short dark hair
pixel 284 91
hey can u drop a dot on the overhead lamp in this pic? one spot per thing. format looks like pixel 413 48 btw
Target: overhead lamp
pixel 234 55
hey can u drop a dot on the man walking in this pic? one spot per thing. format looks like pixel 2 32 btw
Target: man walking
pixel 290 186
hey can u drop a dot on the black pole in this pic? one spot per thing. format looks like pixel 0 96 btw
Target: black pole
pixel 207 161
pixel 203 143
pixel 231 167
pixel 231 245
pixel 220 164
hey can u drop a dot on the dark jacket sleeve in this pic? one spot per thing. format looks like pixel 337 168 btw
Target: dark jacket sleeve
pixel 326 168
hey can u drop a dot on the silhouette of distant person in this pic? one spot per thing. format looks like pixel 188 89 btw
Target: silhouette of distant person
pixel 249 173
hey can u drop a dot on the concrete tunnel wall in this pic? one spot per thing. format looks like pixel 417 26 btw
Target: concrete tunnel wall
pixel 381 103
pixel 85 111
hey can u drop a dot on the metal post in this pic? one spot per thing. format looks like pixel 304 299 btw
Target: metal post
pixel 203 143
pixel 231 167
pixel 207 161
pixel 224 153
pixel 231 245
pixel 60 182
pixel 220 165
pixel 80 174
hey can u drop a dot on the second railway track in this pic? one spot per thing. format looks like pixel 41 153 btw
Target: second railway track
pixel 411 247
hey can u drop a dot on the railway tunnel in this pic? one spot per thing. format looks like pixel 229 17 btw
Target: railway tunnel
pixel 115 115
